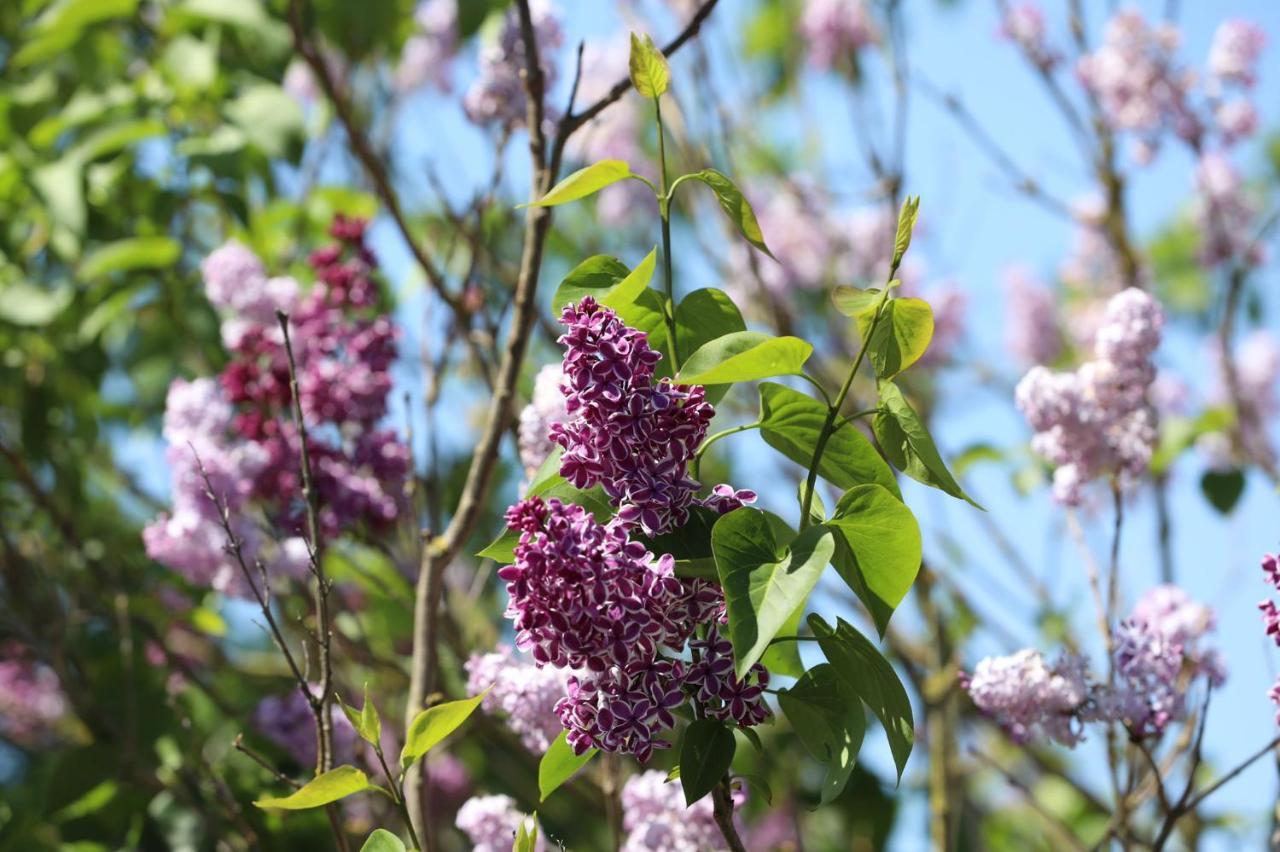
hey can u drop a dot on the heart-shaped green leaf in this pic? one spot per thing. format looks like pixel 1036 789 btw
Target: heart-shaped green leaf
pixel 883 548
pixel 899 337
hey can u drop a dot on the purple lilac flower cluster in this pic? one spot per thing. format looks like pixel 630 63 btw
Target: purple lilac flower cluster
pixel 426 55
pixel 1157 656
pixel 655 817
pixel 624 432
pixel 287 721
pixel 491 823
pixel 32 703
pixel 1097 419
pixel 526 694
pixel 497 95
pixel 1271 618
pixel 241 427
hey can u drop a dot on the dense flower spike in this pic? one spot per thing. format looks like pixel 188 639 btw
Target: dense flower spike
pixel 241 427
pixel 712 681
pixel 624 432
pixel 32 703
pixel 496 97
pixel 526 694
pixel 491 822
pixel 1097 419
pixel 656 818
pixel 623 710
pixel 1028 697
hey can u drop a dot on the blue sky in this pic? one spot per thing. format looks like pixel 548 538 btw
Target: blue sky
pixel 974 227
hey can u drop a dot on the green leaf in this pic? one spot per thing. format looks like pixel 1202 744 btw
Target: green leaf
pixel 324 788
pixel 705 757
pixel 907 444
pixel 735 206
pixel 829 719
pixel 503 548
pixel 764 584
pixel 366 721
pixel 607 280
pixel 899 337
pixel 860 666
pixel 906 224
pixel 268 116
pixel 884 548
pixel 584 182
pixel 1222 489
pixel 817 509
pixel 853 302
pixel 647 314
pixel 526 836
pixel 26 304
pixel 559 764
pixel 792 422
pixel 382 840
pixel 650 73
pixel 61 186
pixel 744 356
pixel 432 725
pixel 129 254
pixel 703 316
pixel 783 658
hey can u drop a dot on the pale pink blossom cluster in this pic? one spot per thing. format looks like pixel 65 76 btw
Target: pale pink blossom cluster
pixel 491 823
pixel 1097 418
pixel 836 29
pixel 1225 214
pixel 656 818
pixel 1235 51
pixel 522 692
pixel 1032 334
pixel 546 407
pixel 1024 25
pixel 427 54
pixel 496 97
pixel 32 703
pixel 1158 656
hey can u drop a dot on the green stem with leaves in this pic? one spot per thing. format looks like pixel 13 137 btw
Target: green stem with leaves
pixel 397 794
pixel 664 208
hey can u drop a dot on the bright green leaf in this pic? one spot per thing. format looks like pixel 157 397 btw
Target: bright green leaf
pixel 129 254
pixel 763 587
pixel 703 316
pixel 432 725
pixel 744 356
pixel 366 721
pixel 783 658
pixel 26 304
pixel 906 225
pixel 853 302
pixel 382 840
pixel 650 73
pixel 705 756
pixel 526 836
pixel 907 443
pixel 899 337
pixel 324 788
pixel 862 667
pixel 584 182
pixel 792 422
pixel 884 548
pixel 559 764
pixel 635 283
pixel 735 206
pixel 829 719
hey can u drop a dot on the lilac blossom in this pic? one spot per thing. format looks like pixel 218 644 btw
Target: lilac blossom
pixel 835 29
pixel 1234 53
pixel 497 97
pixel 1023 24
pixel 626 433
pixel 427 54
pixel 491 823
pixel 1097 419
pixel 1225 213
pixel 714 684
pixel 655 817
pixel 547 406
pixel 724 498
pixel 287 721
pixel 623 710
pixel 1031 319
pixel 1029 698
pixel 524 693
pixel 32 703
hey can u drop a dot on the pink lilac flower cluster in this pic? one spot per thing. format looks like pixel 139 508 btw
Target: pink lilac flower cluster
pixel 1225 214
pixel 241 428
pixel 1023 24
pixel 1157 656
pixel 655 817
pixel 287 721
pixel 1097 419
pixel 523 692
pixel 624 432
pixel 496 97
pixel 546 406
pixel 32 703
pixel 1032 334
pixel 427 54
pixel 836 29
pixel 1141 87
pixel 491 823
